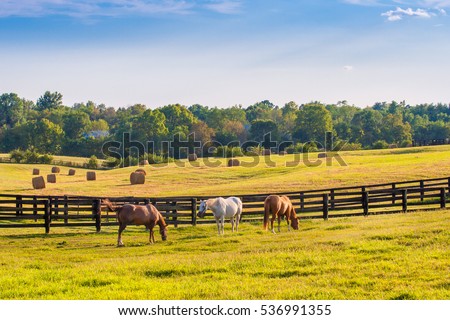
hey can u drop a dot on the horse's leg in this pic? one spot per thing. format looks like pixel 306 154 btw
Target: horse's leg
pixel 232 224
pixel 218 226
pixel 288 222
pixel 238 216
pixel 279 222
pixel 150 227
pixel 223 225
pixel 271 222
pixel 119 238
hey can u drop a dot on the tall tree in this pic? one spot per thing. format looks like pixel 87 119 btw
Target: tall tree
pixel 50 100
pixel 12 110
pixel 313 121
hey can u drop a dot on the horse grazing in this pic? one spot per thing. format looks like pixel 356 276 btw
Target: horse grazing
pixel 230 208
pixel 132 214
pixel 279 206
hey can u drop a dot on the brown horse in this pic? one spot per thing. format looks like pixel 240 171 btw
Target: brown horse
pixel 132 214
pixel 279 206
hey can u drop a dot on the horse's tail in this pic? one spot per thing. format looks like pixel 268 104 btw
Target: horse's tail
pixel 109 205
pixel 112 207
pixel 266 212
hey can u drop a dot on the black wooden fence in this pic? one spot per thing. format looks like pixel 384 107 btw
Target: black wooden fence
pixel 23 211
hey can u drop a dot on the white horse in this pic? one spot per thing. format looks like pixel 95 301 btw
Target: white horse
pixel 230 208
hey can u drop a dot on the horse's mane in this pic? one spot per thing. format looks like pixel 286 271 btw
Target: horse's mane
pixel 161 222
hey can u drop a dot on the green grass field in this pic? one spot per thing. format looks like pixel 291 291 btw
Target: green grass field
pixel 183 178
pixel 404 256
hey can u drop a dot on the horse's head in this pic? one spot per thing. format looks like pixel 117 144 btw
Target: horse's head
pixel 163 232
pixel 202 209
pixel 294 223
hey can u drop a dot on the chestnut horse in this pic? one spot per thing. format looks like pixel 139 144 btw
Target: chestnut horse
pixel 279 206
pixel 138 215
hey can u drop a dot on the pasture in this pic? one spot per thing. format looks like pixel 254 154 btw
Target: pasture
pixel 197 179
pixel 402 256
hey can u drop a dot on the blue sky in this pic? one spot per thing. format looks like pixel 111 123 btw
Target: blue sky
pixel 226 52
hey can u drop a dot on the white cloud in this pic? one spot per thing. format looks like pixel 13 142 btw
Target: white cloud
pixel 348 68
pixel 225 7
pixel 90 8
pixel 399 13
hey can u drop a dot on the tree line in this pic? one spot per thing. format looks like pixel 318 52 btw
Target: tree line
pixel 48 126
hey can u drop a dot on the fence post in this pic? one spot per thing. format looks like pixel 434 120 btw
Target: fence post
pixel 325 206
pixel 365 203
pixel 19 205
pixel 66 210
pixel 393 193
pixel 47 215
pixel 332 199
pixel 56 205
pixel 422 193
pixel 404 200
pixel 302 201
pixel 175 212
pixel 194 211
pixel 35 208
pixel 97 211
pixel 442 198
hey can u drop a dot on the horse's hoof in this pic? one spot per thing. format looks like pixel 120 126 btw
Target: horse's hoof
pixel 120 245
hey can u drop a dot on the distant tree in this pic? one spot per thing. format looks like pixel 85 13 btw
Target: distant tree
pixel 50 100
pixel 366 126
pixel 75 124
pixel 394 130
pixel 313 121
pixel 202 132
pixel 260 128
pixel 259 110
pixel 178 119
pixel 12 110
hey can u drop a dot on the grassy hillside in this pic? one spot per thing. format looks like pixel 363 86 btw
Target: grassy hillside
pixel 402 256
pixel 183 178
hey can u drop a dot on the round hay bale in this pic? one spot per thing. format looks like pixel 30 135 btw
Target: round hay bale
pixel 192 157
pixel 36 172
pixel 51 178
pixel 38 182
pixel 72 172
pixel 266 152
pixel 91 176
pixel 321 155
pixel 137 178
pixel 143 163
pixel 141 171
pixel 234 163
pixel 56 170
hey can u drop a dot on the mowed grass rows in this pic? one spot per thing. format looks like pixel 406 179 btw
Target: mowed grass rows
pixel 403 256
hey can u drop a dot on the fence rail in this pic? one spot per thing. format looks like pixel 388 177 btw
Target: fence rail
pixel 24 211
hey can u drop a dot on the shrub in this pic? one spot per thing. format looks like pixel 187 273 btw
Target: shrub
pixel 380 144
pixel 17 155
pixel 92 163
pixel 406 144
pixel 228 152
pixel 111 162
pixel 45 159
